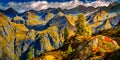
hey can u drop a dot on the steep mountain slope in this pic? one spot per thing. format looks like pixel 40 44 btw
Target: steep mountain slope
pixel 6 37
pixel 17 40
pixel 105 16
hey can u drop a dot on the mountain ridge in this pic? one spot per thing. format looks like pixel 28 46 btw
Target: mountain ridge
pixel 51 33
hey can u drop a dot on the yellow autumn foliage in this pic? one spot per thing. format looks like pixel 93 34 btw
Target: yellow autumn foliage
pixel 17 18
pixel 6 36
pixel 49 57
pixel 31 34
pixel 71 19
pixel 32 16
pixel 98 18
pixel 33 19
pixel 49 16
pixel 107 24
pixel 21 27
pixel 3 20
pixel 54 55
pixel 20 30
pixel 71 32
pixel 46 44
pixel 60 13
pixel 33 22
pixel 53 32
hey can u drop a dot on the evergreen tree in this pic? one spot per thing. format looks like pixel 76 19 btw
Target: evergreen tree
pixel 66 33
pixel 30 54
pixel 81 26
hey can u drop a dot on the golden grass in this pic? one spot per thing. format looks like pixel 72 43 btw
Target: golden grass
pixel 17 18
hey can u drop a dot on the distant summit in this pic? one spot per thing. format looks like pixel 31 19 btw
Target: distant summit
pixel 11 10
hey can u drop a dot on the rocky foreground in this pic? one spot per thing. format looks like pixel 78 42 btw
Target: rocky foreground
pixel 83 48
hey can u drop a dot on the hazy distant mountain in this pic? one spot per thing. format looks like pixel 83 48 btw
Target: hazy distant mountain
pixel 10 12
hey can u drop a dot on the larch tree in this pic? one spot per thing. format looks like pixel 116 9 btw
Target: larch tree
pixel 82 28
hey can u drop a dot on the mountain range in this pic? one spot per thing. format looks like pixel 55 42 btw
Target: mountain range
pixel 41 34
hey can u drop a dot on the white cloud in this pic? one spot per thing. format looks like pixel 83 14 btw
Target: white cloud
pixel 97 3
pixel 39 5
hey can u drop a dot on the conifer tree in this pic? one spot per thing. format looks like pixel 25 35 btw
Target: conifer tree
pixel 81 26
pixel 66 33
pixel 30 54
